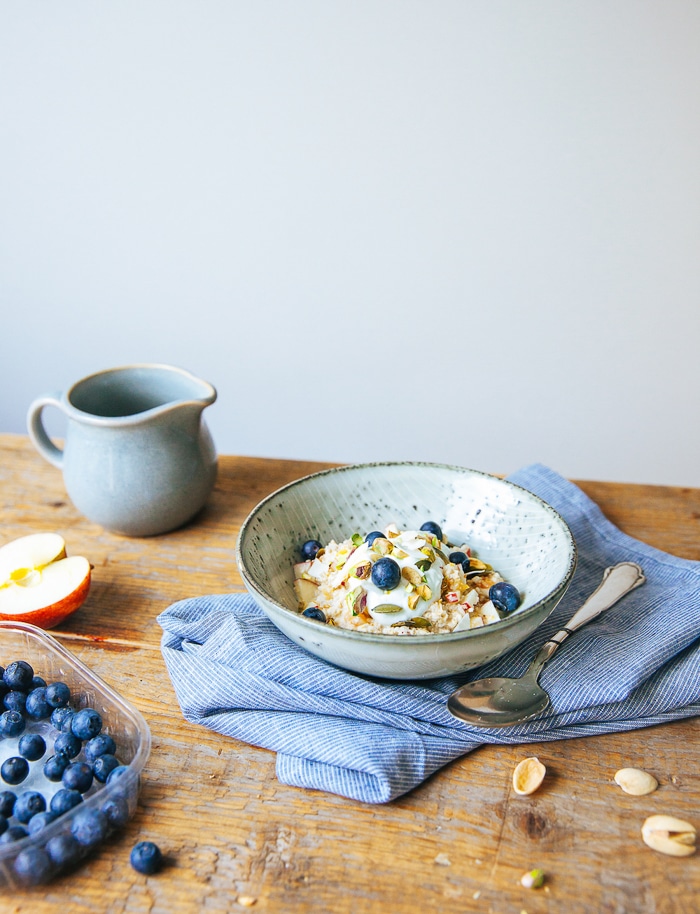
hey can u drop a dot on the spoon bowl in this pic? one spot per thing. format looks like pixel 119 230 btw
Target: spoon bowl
pixel 500 701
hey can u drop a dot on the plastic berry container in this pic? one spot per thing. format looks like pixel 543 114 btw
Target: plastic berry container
pixel 106 807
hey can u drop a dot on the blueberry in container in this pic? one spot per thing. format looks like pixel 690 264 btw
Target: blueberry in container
pixel 32 852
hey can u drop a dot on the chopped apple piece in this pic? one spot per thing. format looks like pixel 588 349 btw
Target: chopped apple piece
pixel 38 583
pixel 305 590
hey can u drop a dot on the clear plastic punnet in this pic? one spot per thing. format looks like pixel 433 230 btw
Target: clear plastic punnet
pixel 62 842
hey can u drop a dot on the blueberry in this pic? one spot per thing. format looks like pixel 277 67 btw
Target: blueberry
pixel 434 529
pixel 86 723
pixel 67 744
pixel 65 799
pixel 89 827
pixel 12 723
pixel 459 558
pixel 78 776
pixel 37 706
pixel 4 824
pixel 64 850
pixel 38 682
pixel 32 746
pixel 8 798
pixel 309 550
pixel 386 573
pixel 117 811
pixel 29 804
pixel 103 765
pixel 15 701
pixel 371 537
pixel 99 745
pixel 13 833
pixel 55 765
pixel 146 858
pixel 57 694
pixel 33 866
pixel 38 822
pixel 313 612
pixel 61 719
pixel 18 675
pixel 117 773
pixel 14 770
pixel 505 597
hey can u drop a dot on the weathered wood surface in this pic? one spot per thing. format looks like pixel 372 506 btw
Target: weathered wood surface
pixel 233 834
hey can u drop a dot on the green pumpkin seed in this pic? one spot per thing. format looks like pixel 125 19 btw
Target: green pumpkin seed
pixel 387 608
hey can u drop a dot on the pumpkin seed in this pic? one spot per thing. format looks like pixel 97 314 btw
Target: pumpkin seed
pixel 412 575
pixel 388 608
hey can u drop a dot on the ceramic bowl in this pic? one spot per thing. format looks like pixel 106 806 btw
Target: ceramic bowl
pixel 513 530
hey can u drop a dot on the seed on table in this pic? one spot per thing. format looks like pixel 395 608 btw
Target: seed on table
pixel 669 835
pixel 528 776
pixel 636 782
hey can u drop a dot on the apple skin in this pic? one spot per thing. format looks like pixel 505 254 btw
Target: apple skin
pixel 40 584
pixel 50 616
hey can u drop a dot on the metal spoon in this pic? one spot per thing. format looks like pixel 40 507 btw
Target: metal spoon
pixel 500 702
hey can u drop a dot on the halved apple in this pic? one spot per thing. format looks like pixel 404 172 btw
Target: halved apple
pixel 38 582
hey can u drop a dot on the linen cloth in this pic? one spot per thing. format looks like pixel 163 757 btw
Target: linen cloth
pixel 373 740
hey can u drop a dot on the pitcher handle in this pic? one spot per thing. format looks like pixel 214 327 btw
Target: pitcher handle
pixel 38 434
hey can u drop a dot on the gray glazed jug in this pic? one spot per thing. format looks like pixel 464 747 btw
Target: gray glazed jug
pixel 138 458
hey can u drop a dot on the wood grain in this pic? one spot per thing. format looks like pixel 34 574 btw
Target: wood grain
pixel 232 833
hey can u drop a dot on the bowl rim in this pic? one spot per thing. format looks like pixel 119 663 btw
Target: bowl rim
pixel 437 638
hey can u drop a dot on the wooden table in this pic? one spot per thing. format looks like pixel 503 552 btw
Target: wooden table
pixel 239 840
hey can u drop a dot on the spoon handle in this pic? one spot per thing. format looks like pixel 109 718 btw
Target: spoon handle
pixel 618 580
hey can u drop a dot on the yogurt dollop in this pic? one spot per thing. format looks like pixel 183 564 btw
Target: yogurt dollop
pixel 421 567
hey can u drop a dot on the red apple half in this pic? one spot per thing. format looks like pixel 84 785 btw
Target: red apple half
pixel 38 583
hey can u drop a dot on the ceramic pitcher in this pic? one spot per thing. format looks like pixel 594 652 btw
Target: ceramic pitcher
pixel 138 458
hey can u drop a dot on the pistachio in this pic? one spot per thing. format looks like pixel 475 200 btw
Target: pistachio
pixel 357 539
pixel 361 571
pixel 382 546
pixel 387 608
pixel 352 598
pixel 413 600
pixel 636 782
pixel 428 553
pixel 412 575
pixel 528 776
pixel 669 835
pixel 393 531
pixel 533 879
pixel 424 592
pixel 399 553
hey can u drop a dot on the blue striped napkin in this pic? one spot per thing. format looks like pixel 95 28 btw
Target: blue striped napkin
pixel 373 740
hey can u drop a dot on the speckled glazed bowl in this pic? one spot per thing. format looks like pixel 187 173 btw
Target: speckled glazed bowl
pixel 513 530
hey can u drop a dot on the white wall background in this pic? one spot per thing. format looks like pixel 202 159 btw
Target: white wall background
pixel 449 230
